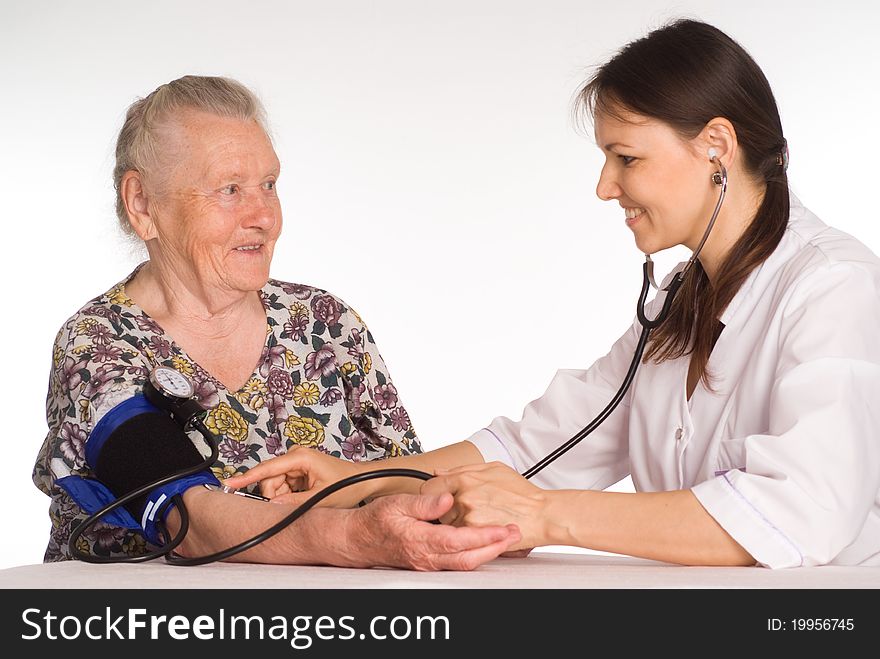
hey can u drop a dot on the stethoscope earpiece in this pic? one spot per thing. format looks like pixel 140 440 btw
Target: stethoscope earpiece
pixel 718 178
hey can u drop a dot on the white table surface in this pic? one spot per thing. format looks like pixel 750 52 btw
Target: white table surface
pixel 539 570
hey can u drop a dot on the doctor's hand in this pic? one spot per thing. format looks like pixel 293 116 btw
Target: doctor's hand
pixel 301 473
pixel 493 494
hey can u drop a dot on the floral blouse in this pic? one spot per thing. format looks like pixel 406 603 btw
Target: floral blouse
pixel 320 382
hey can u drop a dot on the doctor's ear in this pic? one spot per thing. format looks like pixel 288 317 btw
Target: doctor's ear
pixel 134 196
pixel 718 139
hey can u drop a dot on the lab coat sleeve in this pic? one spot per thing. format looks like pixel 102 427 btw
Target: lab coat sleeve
pixel 571 401
pixel 810 482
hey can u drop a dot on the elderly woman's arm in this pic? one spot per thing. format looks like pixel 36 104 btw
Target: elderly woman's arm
pixel 393 531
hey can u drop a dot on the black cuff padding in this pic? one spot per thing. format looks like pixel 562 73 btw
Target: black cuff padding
pixel 141 450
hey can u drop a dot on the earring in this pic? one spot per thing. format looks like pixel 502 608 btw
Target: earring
pixel 717 179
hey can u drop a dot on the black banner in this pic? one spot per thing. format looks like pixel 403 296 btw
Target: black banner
pixel 546 623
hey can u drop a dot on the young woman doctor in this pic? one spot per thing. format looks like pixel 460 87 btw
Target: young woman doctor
pixel 752 427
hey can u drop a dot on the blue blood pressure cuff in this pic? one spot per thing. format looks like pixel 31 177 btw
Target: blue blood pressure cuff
pixel 136 443
pixel 158 503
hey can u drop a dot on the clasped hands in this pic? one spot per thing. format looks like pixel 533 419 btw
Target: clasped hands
pixel 484 495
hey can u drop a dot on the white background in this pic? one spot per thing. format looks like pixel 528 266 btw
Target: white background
pixel 431 177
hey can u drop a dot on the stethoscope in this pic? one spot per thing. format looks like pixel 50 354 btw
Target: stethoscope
pixel 719 178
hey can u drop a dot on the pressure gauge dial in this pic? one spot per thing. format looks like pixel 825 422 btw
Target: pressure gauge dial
pixel 171 383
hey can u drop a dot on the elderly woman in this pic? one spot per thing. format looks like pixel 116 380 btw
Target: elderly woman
pixel 278 365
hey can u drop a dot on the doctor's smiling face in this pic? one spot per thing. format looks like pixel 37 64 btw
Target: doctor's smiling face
pixel 660 179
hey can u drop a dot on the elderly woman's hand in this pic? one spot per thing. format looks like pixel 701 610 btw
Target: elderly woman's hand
pixel 395 531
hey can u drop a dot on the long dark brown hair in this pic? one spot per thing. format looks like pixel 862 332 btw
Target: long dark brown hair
pixel 686 74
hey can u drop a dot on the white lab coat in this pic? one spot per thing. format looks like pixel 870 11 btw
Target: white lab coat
pixel 785 453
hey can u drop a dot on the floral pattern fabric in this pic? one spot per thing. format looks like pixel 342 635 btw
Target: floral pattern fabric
pixel 320 383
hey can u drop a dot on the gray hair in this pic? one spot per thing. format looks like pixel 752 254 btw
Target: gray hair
pixel 138 143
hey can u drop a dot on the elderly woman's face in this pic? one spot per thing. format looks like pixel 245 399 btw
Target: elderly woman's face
pixel 217 215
